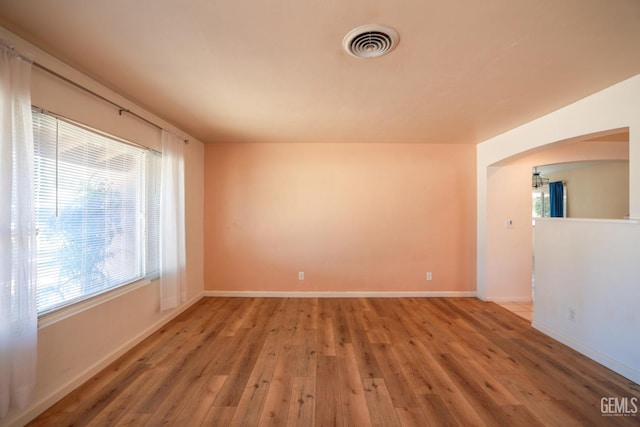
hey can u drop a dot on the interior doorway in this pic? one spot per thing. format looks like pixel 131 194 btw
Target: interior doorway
pixel 513 204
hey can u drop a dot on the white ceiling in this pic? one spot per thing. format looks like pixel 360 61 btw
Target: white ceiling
pixel 464 70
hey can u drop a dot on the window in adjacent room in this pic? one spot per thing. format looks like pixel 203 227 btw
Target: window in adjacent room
pixel 97 211
pixel 541 202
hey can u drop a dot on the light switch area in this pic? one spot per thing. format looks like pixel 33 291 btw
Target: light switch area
pixel 301 275
pixel 508 223
pixel 429 276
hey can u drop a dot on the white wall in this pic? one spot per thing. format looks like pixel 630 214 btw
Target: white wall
pixel 588 289
pixel 73 349
pixel 616 107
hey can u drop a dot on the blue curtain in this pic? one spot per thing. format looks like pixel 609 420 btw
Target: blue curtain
pixel 556 193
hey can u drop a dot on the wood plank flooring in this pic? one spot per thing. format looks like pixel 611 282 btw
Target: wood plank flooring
pixel 346 362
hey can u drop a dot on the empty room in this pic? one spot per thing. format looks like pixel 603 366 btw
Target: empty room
pixel 295 213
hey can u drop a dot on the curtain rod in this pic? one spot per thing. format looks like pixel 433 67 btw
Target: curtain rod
pixel 91 129
pixel 120 108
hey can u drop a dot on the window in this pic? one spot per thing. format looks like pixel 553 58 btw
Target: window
pixel 97 211
pixel 541 202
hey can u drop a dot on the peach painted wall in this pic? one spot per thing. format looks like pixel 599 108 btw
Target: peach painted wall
pixel 353 217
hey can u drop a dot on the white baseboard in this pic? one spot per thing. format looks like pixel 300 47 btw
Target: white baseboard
pixel 604 360
pixel 43 404
pixel 341 294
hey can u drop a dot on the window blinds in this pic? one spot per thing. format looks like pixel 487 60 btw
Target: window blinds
pixel 96 200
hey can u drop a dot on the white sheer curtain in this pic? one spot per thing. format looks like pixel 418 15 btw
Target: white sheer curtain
pixel 173 286
pixel 18 314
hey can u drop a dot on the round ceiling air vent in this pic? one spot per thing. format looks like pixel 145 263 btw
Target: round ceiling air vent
pixel 370 41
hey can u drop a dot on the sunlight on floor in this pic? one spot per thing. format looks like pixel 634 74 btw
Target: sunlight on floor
pixel 522 309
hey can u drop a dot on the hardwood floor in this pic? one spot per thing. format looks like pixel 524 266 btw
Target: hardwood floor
pixel 346 362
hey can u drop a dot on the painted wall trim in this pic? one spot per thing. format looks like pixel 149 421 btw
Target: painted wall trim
pixel 43 404
pixel 345 294
pixel 604 360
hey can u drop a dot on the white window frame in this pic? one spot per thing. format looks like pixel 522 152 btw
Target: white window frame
pixel 72 308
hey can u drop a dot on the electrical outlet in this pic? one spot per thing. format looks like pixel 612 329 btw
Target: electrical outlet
pixel 508 223
pixel 301 275
pixel 429 276
pixel 572 314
